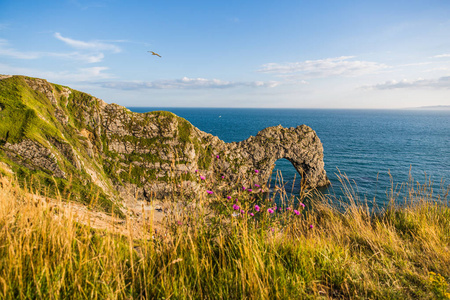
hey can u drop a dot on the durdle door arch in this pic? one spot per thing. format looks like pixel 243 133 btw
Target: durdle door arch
pixel 299 145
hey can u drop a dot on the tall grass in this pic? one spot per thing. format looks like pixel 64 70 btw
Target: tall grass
pixel 210 250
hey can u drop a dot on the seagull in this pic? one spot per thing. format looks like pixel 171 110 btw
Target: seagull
pixel 153 53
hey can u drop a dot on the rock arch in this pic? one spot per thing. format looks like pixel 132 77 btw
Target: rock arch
pixel 300 145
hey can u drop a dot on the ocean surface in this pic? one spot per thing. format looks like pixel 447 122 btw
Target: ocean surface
pixel 372 147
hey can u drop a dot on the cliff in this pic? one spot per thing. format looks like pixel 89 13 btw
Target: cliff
pixel 55 135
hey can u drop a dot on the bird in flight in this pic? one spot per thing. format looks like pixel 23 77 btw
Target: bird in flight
pixel 153 53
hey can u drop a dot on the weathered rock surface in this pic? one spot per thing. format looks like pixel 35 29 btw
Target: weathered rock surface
pixel 34 156
pixel 156 154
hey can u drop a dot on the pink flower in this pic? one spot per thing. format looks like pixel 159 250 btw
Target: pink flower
pixel 235 207
pixel 252 214
pixel 229 197
pixel 196 171
pixel 217 156
pixel 242 212
pixel 288 208
pixel 296 212
pixel 257 185
pixel 256 171
pixel 210 192
pixel 243 188
pixel 202 178
pixel 257 208
pixel 223 177
pixel 302 205
pixel 270 211
pixel 250 190
pixel 311 226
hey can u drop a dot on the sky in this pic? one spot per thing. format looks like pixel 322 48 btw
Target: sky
pixel 258 54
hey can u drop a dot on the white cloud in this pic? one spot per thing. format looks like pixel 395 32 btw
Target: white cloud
pixel 436 83
pixel 418 64
pixel 95 72
pixel 6 50
pixel 338 66
pixel 88 58
pixel 446 55
pixel 79 75
pixel 295 79
pixel 94 45
pixel 185 83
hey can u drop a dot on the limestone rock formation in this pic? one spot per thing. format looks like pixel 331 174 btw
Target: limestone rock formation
pixel 139 155
pixel 34 156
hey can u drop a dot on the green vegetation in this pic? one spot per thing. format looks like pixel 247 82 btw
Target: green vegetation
pixel 72 129
pixel 27 114
pixel 21 111
pixel 184 131
pixel 210 246
pixel 400 252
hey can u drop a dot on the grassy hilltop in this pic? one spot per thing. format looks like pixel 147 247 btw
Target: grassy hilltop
pixel 27 114
pixel 55 136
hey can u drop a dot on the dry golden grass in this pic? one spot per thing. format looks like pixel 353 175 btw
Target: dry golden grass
pixel 400 251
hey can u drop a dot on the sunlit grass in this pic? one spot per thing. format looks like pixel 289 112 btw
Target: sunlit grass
pixel 330 248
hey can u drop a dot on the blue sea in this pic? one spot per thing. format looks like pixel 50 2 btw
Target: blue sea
pixel 370 146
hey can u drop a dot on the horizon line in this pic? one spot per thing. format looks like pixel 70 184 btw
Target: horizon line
pixel 433 107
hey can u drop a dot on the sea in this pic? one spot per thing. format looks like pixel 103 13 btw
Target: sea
pixel 376 152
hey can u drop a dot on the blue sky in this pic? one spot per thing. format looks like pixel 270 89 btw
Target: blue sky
pixel 301 54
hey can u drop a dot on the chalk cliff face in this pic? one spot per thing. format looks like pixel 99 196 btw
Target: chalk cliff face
pixel 64 133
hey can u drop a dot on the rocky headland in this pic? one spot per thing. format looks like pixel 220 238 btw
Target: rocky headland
pixel 51 133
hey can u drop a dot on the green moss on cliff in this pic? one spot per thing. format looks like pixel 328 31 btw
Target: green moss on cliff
pixel 29 114
pixel 205 157
pixel 25 113
pixel 184 130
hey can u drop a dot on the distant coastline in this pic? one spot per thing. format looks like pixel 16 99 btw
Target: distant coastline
pixel 433 107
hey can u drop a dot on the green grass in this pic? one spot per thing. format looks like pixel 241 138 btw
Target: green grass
pixel 20 109
pixel 399 252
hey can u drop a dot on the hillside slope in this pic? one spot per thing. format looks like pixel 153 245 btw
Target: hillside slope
pixel 103 153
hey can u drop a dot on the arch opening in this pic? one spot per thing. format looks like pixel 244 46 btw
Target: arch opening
pixel 285 177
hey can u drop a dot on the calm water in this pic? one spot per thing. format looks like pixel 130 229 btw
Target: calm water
pixel 363 144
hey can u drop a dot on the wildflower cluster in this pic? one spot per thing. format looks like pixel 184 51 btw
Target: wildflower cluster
pixel 251 201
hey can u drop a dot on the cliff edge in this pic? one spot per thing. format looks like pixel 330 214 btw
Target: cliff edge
pixel 56 135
